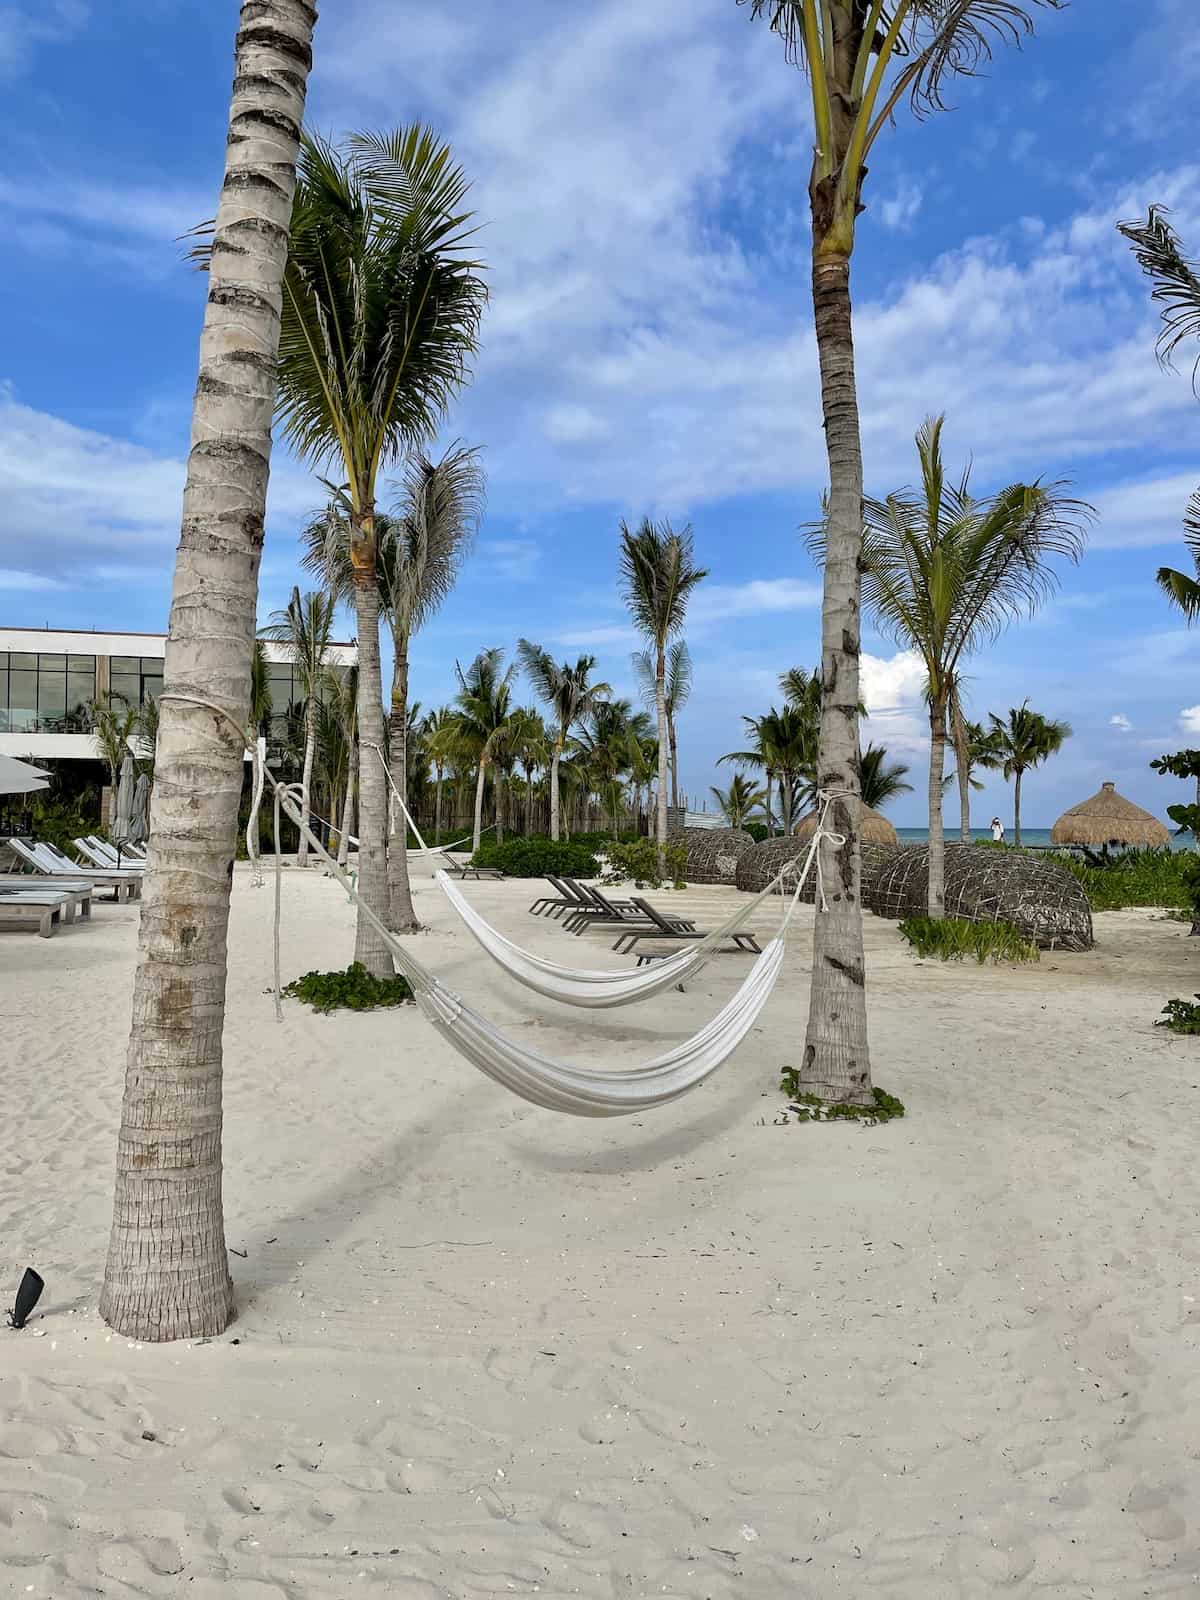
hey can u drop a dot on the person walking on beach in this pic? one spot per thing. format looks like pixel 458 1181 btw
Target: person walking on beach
pixel 997 830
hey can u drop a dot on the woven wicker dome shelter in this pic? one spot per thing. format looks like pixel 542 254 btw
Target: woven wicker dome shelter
pixel 712 853
pixel 1040 898
pixel 758 866
pixel 1108 818
pixel 873 827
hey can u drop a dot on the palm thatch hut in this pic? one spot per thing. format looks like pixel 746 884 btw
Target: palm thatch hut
pixel 1109 819
pixel 873 827
pixel 712 853
pixel 758 866
pixel 1040 898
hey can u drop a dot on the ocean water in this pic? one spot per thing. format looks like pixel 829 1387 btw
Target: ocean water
pixel 1028 836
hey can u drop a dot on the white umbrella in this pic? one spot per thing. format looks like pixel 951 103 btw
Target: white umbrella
pixel 139 828
pixel 19 777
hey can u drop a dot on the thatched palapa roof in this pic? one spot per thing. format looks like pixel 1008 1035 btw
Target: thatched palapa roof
pixel 872 826
pixel 1108 818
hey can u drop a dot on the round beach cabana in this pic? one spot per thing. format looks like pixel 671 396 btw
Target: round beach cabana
pixel 873 827
pixel 758 866
pixel 1109 819
pixel 712 853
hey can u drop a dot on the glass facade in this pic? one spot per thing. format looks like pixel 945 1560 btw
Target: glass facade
pixel 132 680
pixel 46 693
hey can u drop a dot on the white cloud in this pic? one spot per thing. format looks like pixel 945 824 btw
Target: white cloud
pixel 1121 722
pixel 721 602
pixel 893 691
pixel 28 24
pixel 1143 512
pixel 516 560
pixel 901 208
pixel 12 578
pixel 1189 719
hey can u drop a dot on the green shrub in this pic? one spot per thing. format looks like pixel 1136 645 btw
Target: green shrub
pixel 758 831
pixel 950 939
pixel 60 823
pixel 811 1108
pixel 1181 1016
pixel 352 990
pixel 639 861
pixel 1139 878
pixel 537 857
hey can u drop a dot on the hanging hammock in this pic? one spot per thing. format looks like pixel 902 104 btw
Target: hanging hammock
pixel 424 849
pixel 555 1085
pixel 581 986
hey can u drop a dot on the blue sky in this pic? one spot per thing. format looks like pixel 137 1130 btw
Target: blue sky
pixel 640 172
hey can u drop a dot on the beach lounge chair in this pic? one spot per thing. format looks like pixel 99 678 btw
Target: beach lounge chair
pixel 50 863
pixel 24 886
pixel 104 855
pixel 603 912
pixel 557 903
pixel 464 869
pixel 661 927
pixel 40 909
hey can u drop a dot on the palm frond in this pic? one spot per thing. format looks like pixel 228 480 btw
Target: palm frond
pixel 1176 281
pixel 658 573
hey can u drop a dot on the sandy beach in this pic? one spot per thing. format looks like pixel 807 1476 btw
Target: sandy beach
pixel 483 1350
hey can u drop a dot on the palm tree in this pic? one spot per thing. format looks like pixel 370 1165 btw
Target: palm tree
pixel 1025 740
pixel 739 800
pixel 442 740
pixel 485 709
pixel 974 746
pixel 943 573
pixel 862 59
pixel 880 779
pixel 380 319
pixel 658 574
pixel 305 628
pixel 420 548
pixel 167 1275
pixel 569 693
pixel 761 755
pixel 532 753
pixel 677 694
pixel 112 730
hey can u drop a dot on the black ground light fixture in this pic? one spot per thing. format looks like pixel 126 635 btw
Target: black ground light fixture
pixel 28 1296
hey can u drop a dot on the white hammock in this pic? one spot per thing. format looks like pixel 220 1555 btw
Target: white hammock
pixel 583 986
pixel 425 849
pixel 577 1091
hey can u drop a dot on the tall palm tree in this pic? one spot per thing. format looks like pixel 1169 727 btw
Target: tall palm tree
pixel 881 780
pixel 420 548
pixel 305 628
pixel 863 58
pixel 739 800
pixel 1023 741
pixel 677 693
pixel 761 755
pixel 485 711
pixel 532 753
pixel 658 574
pixel 569 694
pixel 945 573
pixel 112 728
pixel 442 739
pixel 380 319
pixel 167 1275
pixel 1176 282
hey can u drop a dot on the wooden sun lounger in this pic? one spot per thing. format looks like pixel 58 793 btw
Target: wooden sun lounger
pixel 605 913
pixel 662 928
pixel 464 869
pixel 55 865
pixel 41 910
pixel 76 898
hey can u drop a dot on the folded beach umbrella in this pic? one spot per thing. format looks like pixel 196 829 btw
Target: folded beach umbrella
pixel 20 777
pixel 139 826
pixel 121 827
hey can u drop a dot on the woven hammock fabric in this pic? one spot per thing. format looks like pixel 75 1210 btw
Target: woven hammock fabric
pixel 590 987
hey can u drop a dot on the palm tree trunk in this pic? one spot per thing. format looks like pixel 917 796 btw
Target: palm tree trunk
pixel 554 797
pixel 479 783
pixel 660 696
pixel 403 918
pixel 962 765
pixel 310 750
pixel 1017 808
pixel 343 854
pixel 167 1275
pixel 937 840
pixel 674 763
pixel 369 948
pixel 528 802
pixel 498 791
pixel 437 808
pixel 770 821
pixel 836 1064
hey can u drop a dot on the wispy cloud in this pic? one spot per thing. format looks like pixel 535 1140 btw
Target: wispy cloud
pixel 1121 723
pixel 26 25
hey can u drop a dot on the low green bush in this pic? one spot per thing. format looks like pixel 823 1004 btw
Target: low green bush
pixel 1139 878
pixel 352 990
pixel 950 939
pixel 1181 1016
pixel 758 831
pixel 537 857
pixel 60 823
pixel 639 861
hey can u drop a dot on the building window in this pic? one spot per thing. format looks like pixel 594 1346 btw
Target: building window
pixel 45 693
pixel 132 680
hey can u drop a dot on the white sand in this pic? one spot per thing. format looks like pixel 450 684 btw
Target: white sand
pixel 485 1350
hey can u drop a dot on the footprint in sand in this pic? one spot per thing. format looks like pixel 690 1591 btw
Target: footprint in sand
pixel 28 1439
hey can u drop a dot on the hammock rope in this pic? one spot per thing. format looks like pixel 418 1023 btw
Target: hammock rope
pixel 540 1079
pixel 425 849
